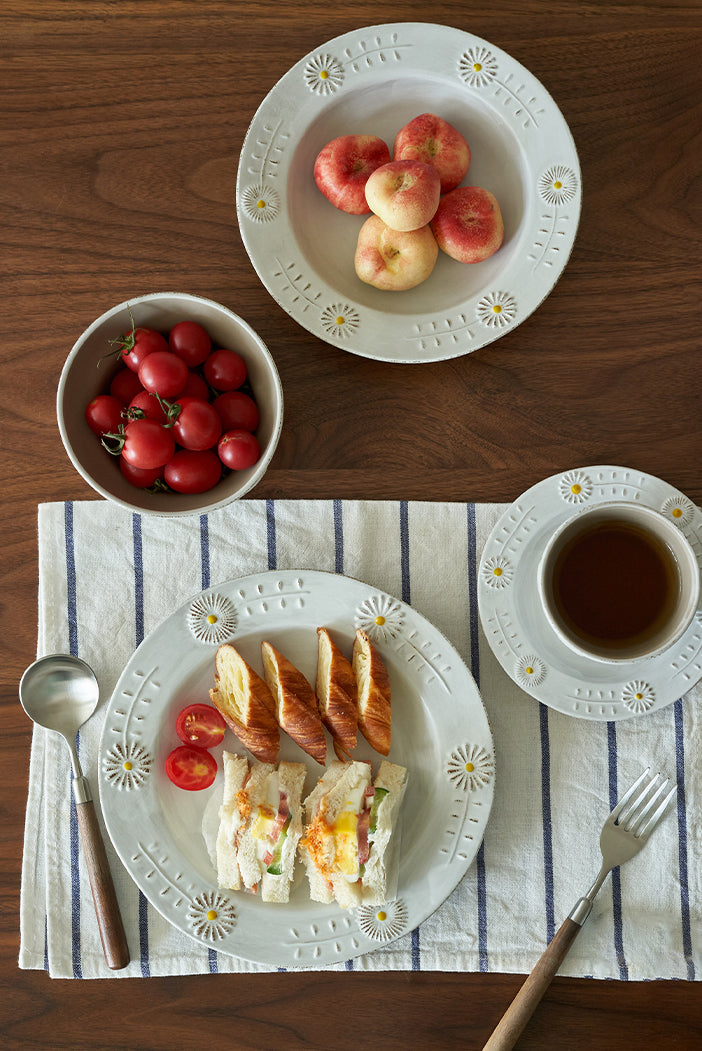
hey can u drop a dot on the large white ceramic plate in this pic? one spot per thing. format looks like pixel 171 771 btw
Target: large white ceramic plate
pixel 514 621
pixel 440 733
pixel 373 81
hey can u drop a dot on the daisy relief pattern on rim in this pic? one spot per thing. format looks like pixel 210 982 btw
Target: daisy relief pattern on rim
pixel 478 67
pixel 126 762
pixel 557 187
pixel 325 74
pixel 470 769
pixel 531 166
pixel 385 922
pixel 152 828
pixel 518 630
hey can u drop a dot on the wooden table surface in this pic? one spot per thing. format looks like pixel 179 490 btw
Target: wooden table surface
pixel 119 141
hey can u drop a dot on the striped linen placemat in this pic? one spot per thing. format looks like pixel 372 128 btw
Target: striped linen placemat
pixel 108 578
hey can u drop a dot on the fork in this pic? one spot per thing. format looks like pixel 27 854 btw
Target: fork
pixel 623 835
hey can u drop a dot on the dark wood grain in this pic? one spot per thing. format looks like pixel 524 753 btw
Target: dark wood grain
pixel 122 124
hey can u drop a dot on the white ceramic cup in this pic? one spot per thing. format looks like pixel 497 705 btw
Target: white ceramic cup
pixel 683 594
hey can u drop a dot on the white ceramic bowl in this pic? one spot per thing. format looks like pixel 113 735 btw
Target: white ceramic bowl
pixel 83 377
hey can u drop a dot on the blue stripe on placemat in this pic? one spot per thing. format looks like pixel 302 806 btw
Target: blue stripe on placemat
pixel 270 533
pixel 472 568
pixel 74 839
pixel 205 551
pixel 682 840
pixel 139 638
pixel 338 537
pixel 546 819
pixel 213 959
pixel 616 878
pixel 406 597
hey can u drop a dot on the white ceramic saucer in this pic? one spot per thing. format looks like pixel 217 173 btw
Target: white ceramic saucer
pixel 516 626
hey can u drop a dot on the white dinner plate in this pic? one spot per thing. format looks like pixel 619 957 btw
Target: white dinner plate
pixel 439 732
pixel 514 621
pixel 373 81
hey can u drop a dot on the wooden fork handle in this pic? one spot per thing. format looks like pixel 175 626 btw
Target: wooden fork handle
pixel 510 1026
pixel 114 940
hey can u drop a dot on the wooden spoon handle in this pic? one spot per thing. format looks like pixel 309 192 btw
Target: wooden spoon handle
pixel 510 1026
pixel 114 940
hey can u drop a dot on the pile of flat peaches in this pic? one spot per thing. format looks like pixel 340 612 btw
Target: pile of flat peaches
pixel 414 200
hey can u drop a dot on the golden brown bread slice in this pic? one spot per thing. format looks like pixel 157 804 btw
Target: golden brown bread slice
pixel 374 716
pixel 295 703
pixel 337 694
pixel 246 704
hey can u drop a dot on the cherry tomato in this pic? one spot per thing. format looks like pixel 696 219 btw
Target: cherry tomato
pixel 193 472
pixel 197 426
pixel 149 405
pixel 191 768
pixel 237 411
pixel 238 450
pixel 200 725
pixel 125 385
pixel 138 476
pixel 104 414
pixel 225 370
pixel 190 342
pixel 163 373
pixel 195 387
pixel 138 344
pixel 147 444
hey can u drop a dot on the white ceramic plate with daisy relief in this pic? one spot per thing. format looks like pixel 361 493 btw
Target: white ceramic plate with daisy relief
pixel 516 626
pixel 373 81
pixel 439 732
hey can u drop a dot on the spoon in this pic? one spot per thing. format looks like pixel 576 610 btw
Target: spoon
pixel 60 692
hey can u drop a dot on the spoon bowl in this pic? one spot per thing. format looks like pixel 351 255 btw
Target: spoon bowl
pixel 60 693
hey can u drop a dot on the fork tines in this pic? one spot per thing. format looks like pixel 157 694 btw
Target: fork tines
pixel 635 811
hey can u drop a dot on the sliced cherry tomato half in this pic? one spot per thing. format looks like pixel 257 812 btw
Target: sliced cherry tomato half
pixel 191 768
pixel 200 725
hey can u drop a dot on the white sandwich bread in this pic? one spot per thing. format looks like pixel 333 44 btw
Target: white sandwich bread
pixel 350 845
pixel 260 824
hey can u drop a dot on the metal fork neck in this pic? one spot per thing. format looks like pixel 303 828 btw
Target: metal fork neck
pixel 583 906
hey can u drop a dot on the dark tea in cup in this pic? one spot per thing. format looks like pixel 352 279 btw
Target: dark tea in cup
pixel 619 582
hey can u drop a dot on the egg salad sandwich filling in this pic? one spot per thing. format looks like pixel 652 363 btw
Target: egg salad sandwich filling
pixel 260 824
pixel 350 845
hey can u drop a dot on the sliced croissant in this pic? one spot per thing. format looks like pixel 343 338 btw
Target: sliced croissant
pixel 295 703
pixel 373 682
pixel 246 704
pixel 337 694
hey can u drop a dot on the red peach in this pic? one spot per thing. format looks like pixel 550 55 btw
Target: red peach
pixel 394 260
pixel 342 168
pixel 468 224
pixel 433 140
pixel 404 194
